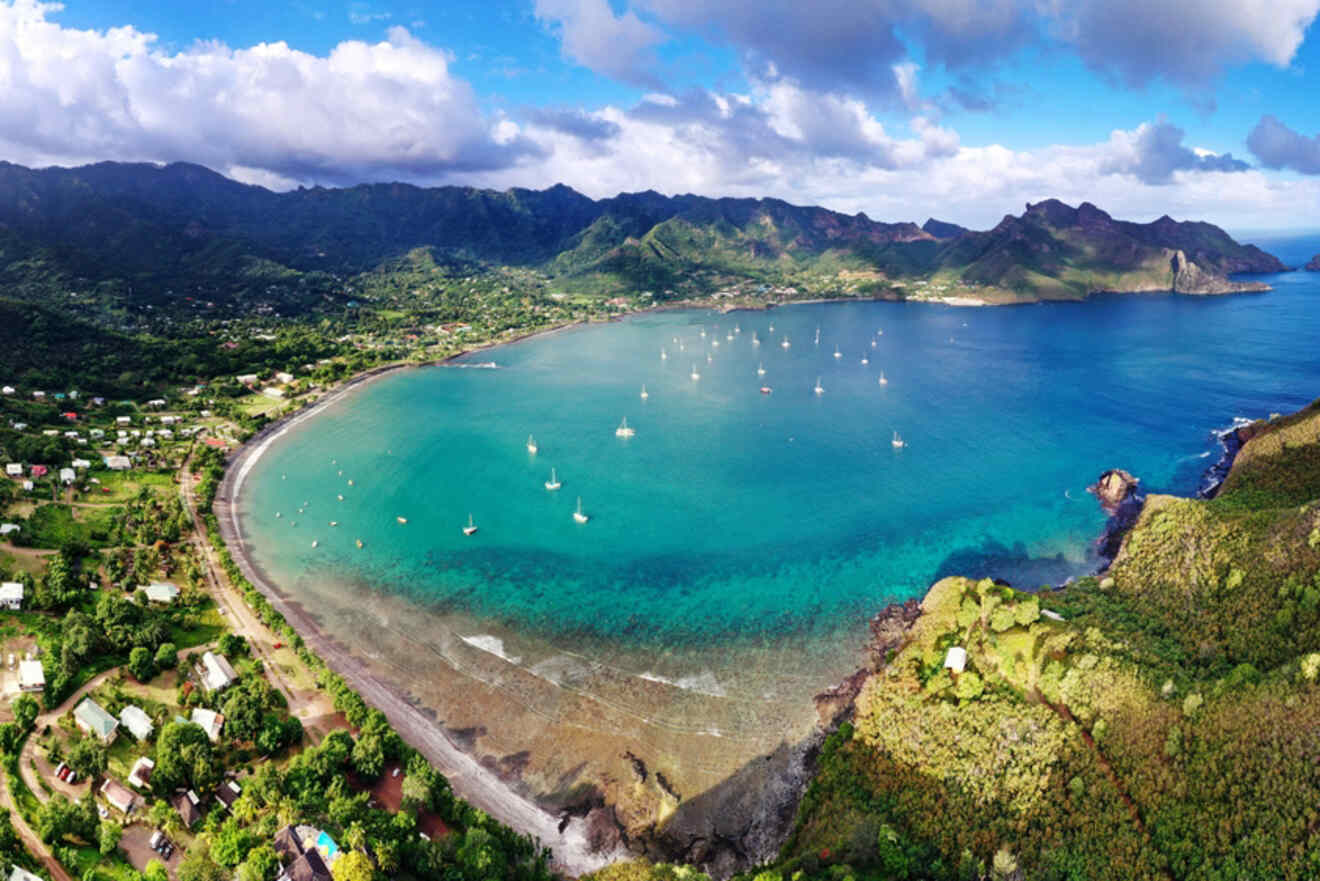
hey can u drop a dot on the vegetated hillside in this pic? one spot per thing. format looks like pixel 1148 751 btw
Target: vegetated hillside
pixel 145 233
pixel 1161 721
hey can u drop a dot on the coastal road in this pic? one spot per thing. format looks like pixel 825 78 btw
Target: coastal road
pixel 35 845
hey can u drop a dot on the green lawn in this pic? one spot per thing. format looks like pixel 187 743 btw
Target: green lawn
pixel 50 526
pixel 125 485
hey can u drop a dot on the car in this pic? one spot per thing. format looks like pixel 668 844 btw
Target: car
pixel 72 776
pixel 278 645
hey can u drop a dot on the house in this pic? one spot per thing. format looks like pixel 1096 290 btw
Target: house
pixel 70 415
pixel 11 594
pixel 284 377
pixel 217 675
pixel 137 722
pixel 28 485
pixel 118 463
pixel 210 721
pixel 227 793
pixel 38 395
pixel 118 795
pixel 6 528
pixel 308 867
pixel 92 719
pixel 31 676
pixel 140 776
pixel 168 420
pixel 156 402
pixel 306 853
pixel 39 471
pixel 97 433
pixel 18 426
pixel 82 464
pixel 955 659
pixel 148 441
pixel 161 592
pixel 14 469
pixel 68 475
pixel 247 379
pixel 15 873
pixel 273 392
pixel 188 807
pixel 123 420
pixel 8 390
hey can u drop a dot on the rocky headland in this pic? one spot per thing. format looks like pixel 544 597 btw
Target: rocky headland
pixel 1313 265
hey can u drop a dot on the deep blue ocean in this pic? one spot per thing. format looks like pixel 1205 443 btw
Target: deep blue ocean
pixel 736 515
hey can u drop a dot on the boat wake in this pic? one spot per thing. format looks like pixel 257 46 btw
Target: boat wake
pixel 492 645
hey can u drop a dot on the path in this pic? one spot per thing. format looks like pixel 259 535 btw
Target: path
pixel 34 844
pixel 51 717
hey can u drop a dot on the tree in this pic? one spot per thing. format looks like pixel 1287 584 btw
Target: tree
pixel 184 757
pixel 25 710
pixel 369 756
pixel 141 664
pixel 197 865
pixel 155 871
pixel 232 645
pixel 167 656
pixel 87 756
pixel 108 837
pixel 261 864
pixel 354 866
pixel 231 842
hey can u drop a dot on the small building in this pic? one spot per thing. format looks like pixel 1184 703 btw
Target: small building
pixel 308 867
pixel 11 595
pixel 227 793
pixel 136 720
pixel 161 592
pixel 275 392
pixel 247 379
pixel 15 873
pixel 14 469
pixel 28 486
pixel 284 377
pixel 39 471
pixel 118 463
pixel 97 433
pixel 217 674
pixel 188 806
pixel 148 441
pixel 31 676
pixel 956 659
pixel 70 415
pixel 210 721
pixel 140 776
pixel 123 420
pixel 68 475
pixel 8 390
pixel 91 718
pixel 156 402
pixel 306 852
pixel 6 528
pixel 38 395
pixel 82 464
pixel 120 797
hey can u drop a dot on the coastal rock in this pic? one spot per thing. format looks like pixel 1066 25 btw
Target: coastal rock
pixel 1113 488
pixel 1189 278
pixel 1313 265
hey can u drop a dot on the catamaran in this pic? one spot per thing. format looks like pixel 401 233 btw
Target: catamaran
pixel 898 442
pixel 531 445
pixel 623 430
pixel 818 336
pixel 553 483
pixel 819 389
pixel 645 394
pixel 471 527
pixel 578 515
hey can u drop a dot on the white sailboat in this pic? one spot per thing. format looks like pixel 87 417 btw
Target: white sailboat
pixel 785 343
pixel 315 542
pixel 471 527
pixel 728 337
pixel 553 483
pixel 623 430
pixel 818 336
pixel 664 356
pixel 819 389
pixel 737 328
pixel 715 343
pixel 837 353
pixel 882 380
pixel 873 344
pixel 531 445
pixel 578 515
pixel 703 331
pixel 645 393
pixel 695 374
pixel 756 341
pixel 760 369
pixel 898 442
pixel 772 328
pixel 865 360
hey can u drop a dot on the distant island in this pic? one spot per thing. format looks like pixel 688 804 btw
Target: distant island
pixel 1314 265
pixel 135 234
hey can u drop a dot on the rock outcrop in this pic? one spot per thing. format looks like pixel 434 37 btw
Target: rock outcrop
pixel 1119 495
pixel 1314 265
pixel 1189 278
pixel 1113 488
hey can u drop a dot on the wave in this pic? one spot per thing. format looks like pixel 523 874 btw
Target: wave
pixel 492 645
pixel 703 683
pixel 482 365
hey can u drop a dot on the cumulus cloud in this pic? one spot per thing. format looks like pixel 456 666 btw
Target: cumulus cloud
pixel 1278 146
pixel 575 122
pixel 269 112
pixel 1154 151
pixel 593 36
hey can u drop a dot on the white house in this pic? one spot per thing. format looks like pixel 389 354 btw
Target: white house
pixel 91 718
pixel 97 433
pixel 31 676
pixel 6 528
pixel 273 392
pixel 118 795
pixel 118 463
pixel 284 377
pixel 148 441
pixel 140 776
pixel 161 592
pixel 11 595
pixel 18 426
pixel 123 420
pixel 68 475
pixel 956 659
pixel 168 420
pixel 14 469
pixel 138 723
pixel 156 402
pixel 217 674
pixel 38 395
pixel 8 390
pixel 81 464
pixel 27 486
pixel 165 434
pixel 247 379
pixel 211 722
pixel 17 874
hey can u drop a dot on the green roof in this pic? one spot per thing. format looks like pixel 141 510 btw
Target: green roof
pixel 91 714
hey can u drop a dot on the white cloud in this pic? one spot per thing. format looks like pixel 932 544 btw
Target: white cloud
pixel 593 36
pixel 378 110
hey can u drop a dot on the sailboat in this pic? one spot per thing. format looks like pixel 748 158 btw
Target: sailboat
pixel 873 344
pixel 819 389
pixel 531 445
pixel 578 515
pixel 315 542
pixel 664 356
pixel 865 360
pixel 760 369
pixel 737 328
pixel 756 341
pixel 623 430
pixel 898 442
pixel 772 328
pixel 785 343
pixel 729 337
pixel 402 520
pixel 715 343
pixel 882 379
pixel 359 543
pixel 553 483
pixel 645 393
pixel 709 359
pixel 471 527
pixel 703 331
pixel 837 353
pixel 817 336
pixel 695 374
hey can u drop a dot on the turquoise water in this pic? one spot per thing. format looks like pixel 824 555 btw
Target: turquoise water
pixel 737 516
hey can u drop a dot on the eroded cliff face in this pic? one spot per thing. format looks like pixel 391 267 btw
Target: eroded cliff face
pixel 1189 278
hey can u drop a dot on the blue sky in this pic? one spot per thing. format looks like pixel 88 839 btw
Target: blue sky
pixel 901 108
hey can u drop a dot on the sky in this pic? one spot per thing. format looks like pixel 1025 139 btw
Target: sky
pixel 963 110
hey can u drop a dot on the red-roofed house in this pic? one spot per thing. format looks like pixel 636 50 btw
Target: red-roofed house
pixel 71 416
pixel 39 470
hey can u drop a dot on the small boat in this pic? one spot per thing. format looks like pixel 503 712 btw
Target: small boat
pixel 578 515
pixel 664 356
pixel 772 328
pixel 682 347
pixel 882 379
pixel 531 445
pixel 715 343
pixel 765 390
pixel 737 328
pixel 278 515
pixel 645 394
pixel 760 369
pixel 359 542
pixel 401 519
pixel 695 374
pixel 837 353
pixel 818 336
pixel 284 477
pixel 350 482
pixel 341 497
pixel 865 360
pixel 710 360
pixel 341 472
pixel 334 522
pixel 553 483
pixel 471 527
pixel 879 332
pixel 873 344
pixel 703 331
pixel 729 338
pixel 756 341
pixel 785 343
pixel 293 522
pixel 623 430
pixel 819 389
pixel 898 442
pixel 315 543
